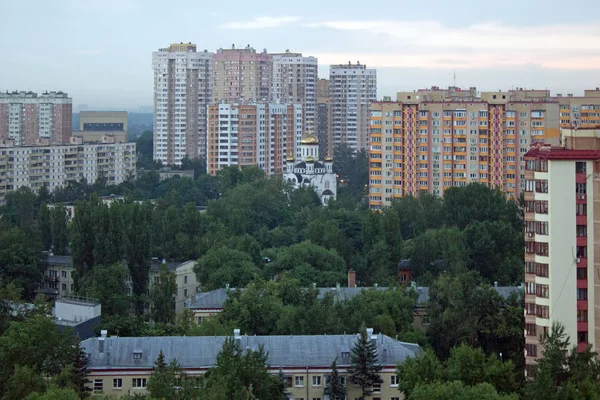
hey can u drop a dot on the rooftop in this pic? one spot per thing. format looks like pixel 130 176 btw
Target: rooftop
pixel 201 351
pixel 561 153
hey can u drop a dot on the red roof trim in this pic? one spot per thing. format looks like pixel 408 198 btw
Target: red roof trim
pixel 563 154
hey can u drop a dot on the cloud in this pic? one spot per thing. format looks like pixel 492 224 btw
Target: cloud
pixel 261 22
pixel 429 44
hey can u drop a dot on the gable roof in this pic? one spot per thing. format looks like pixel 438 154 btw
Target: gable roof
pixel 201 351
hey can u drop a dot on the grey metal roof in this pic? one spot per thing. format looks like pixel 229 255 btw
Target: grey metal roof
pixel 201 351
pixel 60 260
pixel 216 298
pixel 68 261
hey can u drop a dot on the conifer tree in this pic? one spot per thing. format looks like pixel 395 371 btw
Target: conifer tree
pixel 60 235
pixel 364 368
pixel 335 388
pixel 80 369
pixel 44 226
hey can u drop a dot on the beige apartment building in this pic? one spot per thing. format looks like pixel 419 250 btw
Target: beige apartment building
pixel 56 166
pixel 246 134
pixel 182 91
pixel 432 139
pixel 561 255
pixel 294 81
pixel 241 75
pixel 97 126
pixel 122 365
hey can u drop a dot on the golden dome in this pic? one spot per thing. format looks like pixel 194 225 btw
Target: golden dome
pixel 310 159
pixel 328 159
pixel 290 158
pixel 310 139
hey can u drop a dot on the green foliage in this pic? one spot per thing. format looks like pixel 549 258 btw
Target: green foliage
pixel 60 233
pixel 364 368
pixel 220 266
pixel 162 296
pixel 458 391
pixel 239 375
pixel 54 393
pixel 335 388
pixel 107 284
pixel 168 381
pixel 23 382
pixel 44 226
pixel 19 261
pixel 353 170
pixel 424 369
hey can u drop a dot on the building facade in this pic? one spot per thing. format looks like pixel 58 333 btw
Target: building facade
pixel 352 89
pixel 245 134
pixel 96 126
pixel 241 75
pixel 432 139
pixel 561 209
pixel 29 118
pixel 322 124
pixel 121 366
pixel 182 92
pixel 57 166
pixel 294 81
pixel 311 171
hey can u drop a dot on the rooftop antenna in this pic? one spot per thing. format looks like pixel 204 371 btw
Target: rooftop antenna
pixel 454 78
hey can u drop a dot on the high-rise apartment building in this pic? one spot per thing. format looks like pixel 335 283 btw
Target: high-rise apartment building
pixel 294 81
pixel 432 139
pixel 57 166
pixel 182 92
pixel 29 118
pixel 322 128
pixel 241 75
pixel 261 134
pixel 561 259
pixel 352 89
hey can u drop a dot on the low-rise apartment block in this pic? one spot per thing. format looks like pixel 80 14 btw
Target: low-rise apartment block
pixel 432 139
pixel 27 117
pixel 57 166
pixel 122 365
pixel 561 227
pixel 260 134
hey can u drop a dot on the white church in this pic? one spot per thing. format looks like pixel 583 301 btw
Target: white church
pixel 310 171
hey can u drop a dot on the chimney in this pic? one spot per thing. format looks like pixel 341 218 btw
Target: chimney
pixel 351 278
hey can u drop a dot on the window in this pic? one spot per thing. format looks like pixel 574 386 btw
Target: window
pixel 581 188
pixel 530 328
pixel 138 383
pixel 63 274
pixel 316 381
pixel 137 355
pixel 581 209
pixel 541 186
pixel 580 167
pixel 531 350
pixel 117 383
pixel 299 381
pixel 581 230
pixel 541 270
pixel 98 385
pixel 542 311
pixel 394 380
pixel 582 336
pixel 185 279
pixel 582 294
pixel 530 308
pixel 582 252
pixel 581 273
pixel 582 315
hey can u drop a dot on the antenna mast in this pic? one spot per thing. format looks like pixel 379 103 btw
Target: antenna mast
pixel 454 78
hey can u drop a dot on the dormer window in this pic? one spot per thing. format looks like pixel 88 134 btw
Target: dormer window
pixel 137 355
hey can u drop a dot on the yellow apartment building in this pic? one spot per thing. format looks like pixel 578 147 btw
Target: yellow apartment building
pixel 122 365
pixel 432 139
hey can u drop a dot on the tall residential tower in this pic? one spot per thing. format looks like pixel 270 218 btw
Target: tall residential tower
pixel 352 89
pixel 182 92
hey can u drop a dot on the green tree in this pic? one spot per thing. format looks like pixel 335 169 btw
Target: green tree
pixel 335 388
pixel 108 284
pixel 19 262
pixel 220 266
pixel 44 226
pixel 240 375
pixel 364 368
pixel 423 369
pixel 54 393
pixel 162 296
pixel 137 249
pixel 82 238
pixel 60 233
pixel 23 382
pixel 458 391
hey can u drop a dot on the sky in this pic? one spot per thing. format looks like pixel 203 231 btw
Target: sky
pixel 100 51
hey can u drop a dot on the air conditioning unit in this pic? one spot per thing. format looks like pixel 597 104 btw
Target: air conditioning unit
pixel 578 260
pixel 581 196
pixel 529 234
